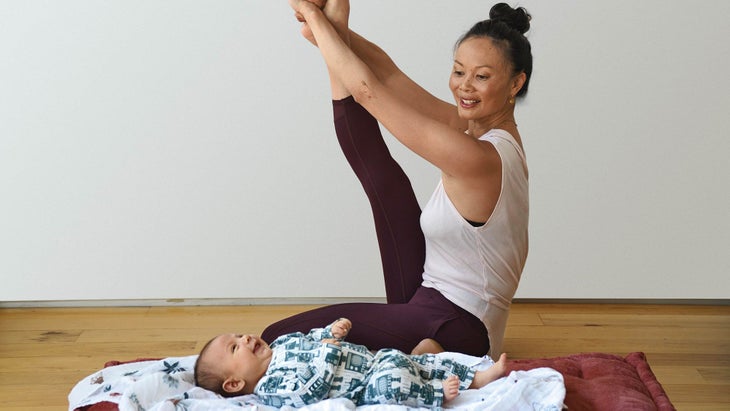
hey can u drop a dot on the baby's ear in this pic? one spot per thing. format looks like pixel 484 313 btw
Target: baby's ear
pixel 233 385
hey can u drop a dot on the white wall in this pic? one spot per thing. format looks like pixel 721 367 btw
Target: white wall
pixel 184 149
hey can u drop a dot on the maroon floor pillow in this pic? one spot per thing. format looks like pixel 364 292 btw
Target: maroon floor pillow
pixel 605 382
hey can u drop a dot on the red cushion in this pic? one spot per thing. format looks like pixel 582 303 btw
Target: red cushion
pixel 597 382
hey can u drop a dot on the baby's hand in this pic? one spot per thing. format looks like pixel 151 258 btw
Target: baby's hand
pixel 341 328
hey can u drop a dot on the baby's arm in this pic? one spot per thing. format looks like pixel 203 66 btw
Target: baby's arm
pixel 333 333
pixel 341 328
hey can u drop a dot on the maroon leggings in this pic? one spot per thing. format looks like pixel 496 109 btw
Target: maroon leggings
pixel 412 312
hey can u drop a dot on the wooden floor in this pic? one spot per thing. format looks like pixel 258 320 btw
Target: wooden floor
pixel 44 352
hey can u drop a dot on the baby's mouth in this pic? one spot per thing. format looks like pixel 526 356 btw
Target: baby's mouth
pixel 259 348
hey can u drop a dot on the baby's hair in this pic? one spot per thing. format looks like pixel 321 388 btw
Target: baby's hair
pixel 507 26
pixel 206 376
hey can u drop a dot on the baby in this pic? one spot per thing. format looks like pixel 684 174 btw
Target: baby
pixel 298 369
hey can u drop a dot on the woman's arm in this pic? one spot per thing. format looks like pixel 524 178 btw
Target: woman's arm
pixel 454 152
pixel 395 79
pixel 384 67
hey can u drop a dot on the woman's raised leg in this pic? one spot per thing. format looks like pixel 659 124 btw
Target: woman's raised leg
pixel 394 205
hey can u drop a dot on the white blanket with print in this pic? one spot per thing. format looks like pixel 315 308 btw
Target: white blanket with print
pixel 167 385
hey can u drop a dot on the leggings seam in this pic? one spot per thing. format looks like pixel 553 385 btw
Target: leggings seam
pixel 402 297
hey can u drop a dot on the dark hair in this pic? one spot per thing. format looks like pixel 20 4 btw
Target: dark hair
pixel 205 374
pixel 507 27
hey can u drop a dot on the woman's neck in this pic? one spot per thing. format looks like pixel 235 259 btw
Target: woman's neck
pixel 479 128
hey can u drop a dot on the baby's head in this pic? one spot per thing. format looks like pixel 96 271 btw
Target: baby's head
pixel 232 364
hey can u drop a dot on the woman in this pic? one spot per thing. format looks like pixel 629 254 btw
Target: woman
pixel 452 277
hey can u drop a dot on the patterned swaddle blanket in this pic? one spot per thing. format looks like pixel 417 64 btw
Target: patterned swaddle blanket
pixel 167 385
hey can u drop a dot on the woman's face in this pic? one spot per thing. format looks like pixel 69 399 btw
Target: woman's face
pixel 482 81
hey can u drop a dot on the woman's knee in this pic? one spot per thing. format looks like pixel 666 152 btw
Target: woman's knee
pixel 464 335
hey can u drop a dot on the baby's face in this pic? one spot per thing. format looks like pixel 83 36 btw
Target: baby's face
pixel 239 356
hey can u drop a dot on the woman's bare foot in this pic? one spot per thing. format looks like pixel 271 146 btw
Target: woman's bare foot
pixel 427 346
pixel 318 3
pixel 337 12
pixel 451 388
pixel 495 372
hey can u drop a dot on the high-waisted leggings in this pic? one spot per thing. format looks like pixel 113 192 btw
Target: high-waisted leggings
pixel 412 312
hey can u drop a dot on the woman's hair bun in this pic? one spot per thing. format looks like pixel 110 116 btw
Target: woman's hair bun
pixel 517 18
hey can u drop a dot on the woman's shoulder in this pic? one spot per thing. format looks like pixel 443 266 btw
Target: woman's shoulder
pixel 501 137
pixel 498 133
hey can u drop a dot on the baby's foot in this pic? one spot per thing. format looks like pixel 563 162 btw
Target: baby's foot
pixel 500 367
pixel 451 388
pixel 493 373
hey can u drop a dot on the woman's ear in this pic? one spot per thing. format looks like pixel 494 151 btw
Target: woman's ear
pixel 517 82
pixel 233 385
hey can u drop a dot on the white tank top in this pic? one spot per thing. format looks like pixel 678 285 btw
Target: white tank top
pixel 478 268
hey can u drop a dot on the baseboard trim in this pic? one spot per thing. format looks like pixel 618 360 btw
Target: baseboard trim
pixel 187 302
pixel 646 301
pixel 192 302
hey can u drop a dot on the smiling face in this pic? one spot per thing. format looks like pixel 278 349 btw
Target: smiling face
pixel 241 359
pixel 482 81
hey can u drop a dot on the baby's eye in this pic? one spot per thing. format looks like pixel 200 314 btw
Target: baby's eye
pixel 482 77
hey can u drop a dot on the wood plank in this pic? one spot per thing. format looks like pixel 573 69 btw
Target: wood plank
pixel 678 375
pixel 38 336
pixel 654 333
pixel 699 393
pixel 698 359
pixel 124 349
pixel 145 318
pixel 36 395
pixel 627 319
pixel 715 375
pixel 33 408
pixel 158 335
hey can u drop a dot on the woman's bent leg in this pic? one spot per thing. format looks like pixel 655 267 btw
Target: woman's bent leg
pixel 400 326
pixel 395 208
pixel 374 325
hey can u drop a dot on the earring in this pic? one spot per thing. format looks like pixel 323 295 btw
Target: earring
pixel 512 100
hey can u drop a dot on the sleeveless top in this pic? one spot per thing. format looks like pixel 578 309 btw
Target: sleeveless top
pixel 478 268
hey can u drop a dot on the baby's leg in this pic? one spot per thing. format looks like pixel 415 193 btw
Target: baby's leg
pixel 493 373
pixel 412 380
